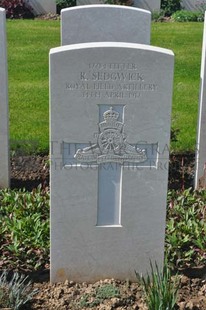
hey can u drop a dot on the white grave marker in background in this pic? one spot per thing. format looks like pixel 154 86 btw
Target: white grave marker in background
pixel 151 5
pixel 200 171
pixel 110 111
pixel 98 23
pixel 193 5
pixel 41 7
pixel 4 145
pixel 89 2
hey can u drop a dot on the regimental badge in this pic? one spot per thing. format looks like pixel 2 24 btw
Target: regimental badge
pixel 111 144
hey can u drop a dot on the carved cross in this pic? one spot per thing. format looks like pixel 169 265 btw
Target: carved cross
pixel 111 154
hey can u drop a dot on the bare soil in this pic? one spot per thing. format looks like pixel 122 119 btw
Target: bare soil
pixel 70 295
pixel 29 172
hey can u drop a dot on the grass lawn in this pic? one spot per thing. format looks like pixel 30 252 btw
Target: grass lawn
pixel 185 39
pixel 29 43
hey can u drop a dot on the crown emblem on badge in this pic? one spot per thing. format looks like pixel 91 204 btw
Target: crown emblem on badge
pixel 111 144
pixel 110 120
pixel 111 115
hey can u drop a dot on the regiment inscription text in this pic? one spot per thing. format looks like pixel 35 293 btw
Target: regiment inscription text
pixel 112 80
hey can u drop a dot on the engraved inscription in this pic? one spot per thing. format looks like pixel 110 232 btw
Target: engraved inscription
pixel 111 76
pixel 113 66
pixel 111 81
pixel 111 144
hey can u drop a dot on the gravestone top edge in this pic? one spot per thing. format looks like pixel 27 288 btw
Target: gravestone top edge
pixel 110 44
pixel 104 6
pixel 2 10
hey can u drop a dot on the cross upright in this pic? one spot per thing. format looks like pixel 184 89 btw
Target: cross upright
pixel 111 154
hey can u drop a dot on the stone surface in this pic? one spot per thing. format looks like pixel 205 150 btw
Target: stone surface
pixel 98 23
pixel 200 170
pixel 192 5
pixel 110 111
pixel 42 6
pixel 4 149
pixel 150 5
pixel 88 2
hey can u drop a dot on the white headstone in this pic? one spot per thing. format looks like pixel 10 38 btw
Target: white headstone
pixel 4 145
pixel 88 2
pixel 151 5
pixel 42 6
pixel 192 5
pixel 98 23
pixel 110 110
pixel 200 171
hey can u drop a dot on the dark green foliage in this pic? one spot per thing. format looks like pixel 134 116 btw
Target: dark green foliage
pixel 174 134
pixel 188 16
pixel 159 288
pixel 158 15
pixel 62 4
pixel 24 231
pixel 24 147
pixel 16 9
pixel 170 6
pixel 186 228
pixel 24 228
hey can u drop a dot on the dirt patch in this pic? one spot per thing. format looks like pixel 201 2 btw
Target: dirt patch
pixel 112 294
pixel 30 171
pixel 49 16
